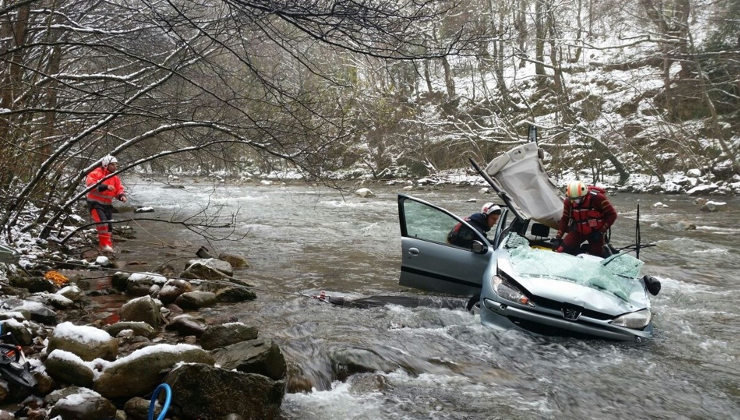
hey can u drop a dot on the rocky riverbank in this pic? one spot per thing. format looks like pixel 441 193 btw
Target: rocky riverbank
pixel 101 340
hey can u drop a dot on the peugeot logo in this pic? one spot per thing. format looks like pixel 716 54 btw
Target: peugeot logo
pixel 571 314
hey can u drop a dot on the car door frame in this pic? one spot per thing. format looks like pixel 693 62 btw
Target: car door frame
pixel 441 267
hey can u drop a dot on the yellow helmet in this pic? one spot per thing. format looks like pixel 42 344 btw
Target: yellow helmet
pixel 576 189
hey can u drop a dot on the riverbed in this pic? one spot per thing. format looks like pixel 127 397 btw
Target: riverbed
pixel 438 362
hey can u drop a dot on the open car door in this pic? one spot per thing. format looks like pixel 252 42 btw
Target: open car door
pixel 429 261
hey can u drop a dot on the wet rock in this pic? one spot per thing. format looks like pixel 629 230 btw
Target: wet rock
pixel 143 309
pixel 56 300
pixel 226 334
pixel 19 331
pixel 660 205
pixel 72 292
pixel 166 270
pixel 236 261
pixel 712 206
pixel 364 193
pixel 37 311
pixel 187 325
pixel 702 189
pixel 693 173
pixel 82 404
pixel 140 284
pixel 141 371
pixel 208 269
pixel 196 300
pixel 234 294
pixel 137 408
pixel 349 361
pixel 88 343
pixel 202 391
pixel 254 356
pixel 119 280
pixel 139 328
pixel 33 284
pixel 68 368
pixel 684 225
pixel 172 289
pixel 44 382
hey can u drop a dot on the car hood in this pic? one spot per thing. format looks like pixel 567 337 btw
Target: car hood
pixel 608 286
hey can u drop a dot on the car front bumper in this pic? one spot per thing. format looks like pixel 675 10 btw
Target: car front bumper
pixel 506 316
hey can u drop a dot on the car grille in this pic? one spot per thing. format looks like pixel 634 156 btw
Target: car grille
pixel 558 307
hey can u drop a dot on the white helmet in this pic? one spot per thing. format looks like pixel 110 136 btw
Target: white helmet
pixel 107 160
pixel 490 208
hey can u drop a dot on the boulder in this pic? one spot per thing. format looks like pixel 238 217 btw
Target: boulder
pixel 712 206
pixel 208 269
pixel 172 289
pixel 223 335
pixel 72 292
pixel 143 309
pixel 254 356
pixel 141 371
pixel 68 368
pixel 33 284
pixel 236 261
pixel 235 294
pixel 81 404
pixel 196 300
pixel 119 280
pixel 187 325
pixel 139 284
pixel 19 331
pixel 139 328
pixel 37 311
pixel 87 342
pixel 364 193
pixel 349 361
pixel 206 392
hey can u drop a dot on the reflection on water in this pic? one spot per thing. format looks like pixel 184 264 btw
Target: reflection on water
pixel 434 361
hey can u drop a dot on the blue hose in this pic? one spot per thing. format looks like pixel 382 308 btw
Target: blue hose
pixel 167 399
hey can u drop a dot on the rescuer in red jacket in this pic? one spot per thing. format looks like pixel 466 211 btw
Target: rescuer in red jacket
pixel 100 199
pixel 587 215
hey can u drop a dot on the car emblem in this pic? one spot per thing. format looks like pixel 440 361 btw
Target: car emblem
pixel 571 314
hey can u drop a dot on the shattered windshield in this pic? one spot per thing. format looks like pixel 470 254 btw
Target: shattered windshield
pixel 617 274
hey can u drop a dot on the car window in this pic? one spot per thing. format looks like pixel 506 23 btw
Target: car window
pixel 431 224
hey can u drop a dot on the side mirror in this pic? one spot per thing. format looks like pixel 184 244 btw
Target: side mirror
pixel 479 248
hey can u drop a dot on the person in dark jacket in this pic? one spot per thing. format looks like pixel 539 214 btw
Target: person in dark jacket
pixel 100 199
pixel 462 236
pixel 587 216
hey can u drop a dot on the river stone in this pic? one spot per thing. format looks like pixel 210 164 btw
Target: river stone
pixel 137 408
pixel 33 284
pixel 143 309
pixel 139 284
pixel 84 404
pixel 37 312
pixel 233 294
pixel 712 206
pixel 254 356
pixel 68 368
pixel 206 392
pixel 236 261
pixel 195 300
pixel 207 268
pixel 119 280
pixel 225 334
pixel 349 361
pixel 187 325
pixel 139 328
pixel 172 289
pixel 72 292
pixel 364 193
pixel 141 371
pixel 19 331
pixel 87 342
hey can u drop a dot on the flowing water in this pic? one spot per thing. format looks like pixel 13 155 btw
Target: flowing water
pixel 433 361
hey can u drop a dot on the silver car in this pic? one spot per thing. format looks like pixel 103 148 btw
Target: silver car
pixel 515 275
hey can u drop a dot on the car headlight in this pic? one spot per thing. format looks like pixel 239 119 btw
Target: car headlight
pixel 635 320
pixel 509 291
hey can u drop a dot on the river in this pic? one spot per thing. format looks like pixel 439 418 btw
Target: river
pixel 440 363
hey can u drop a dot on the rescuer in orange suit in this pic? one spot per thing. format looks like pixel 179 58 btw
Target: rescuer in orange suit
pixel 100 199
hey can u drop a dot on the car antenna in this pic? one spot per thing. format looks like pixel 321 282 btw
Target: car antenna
pixel 637 232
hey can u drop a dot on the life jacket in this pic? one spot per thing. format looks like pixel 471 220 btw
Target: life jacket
pixel 584 218
pixel 104 197
pixel 463 236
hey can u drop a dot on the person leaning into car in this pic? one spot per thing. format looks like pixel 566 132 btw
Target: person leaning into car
pixel 587 215
pixel 461 235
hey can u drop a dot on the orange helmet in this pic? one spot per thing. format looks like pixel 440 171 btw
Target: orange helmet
pixel 576 189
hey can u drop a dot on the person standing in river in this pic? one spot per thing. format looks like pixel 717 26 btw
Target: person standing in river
pixel 587 216
pixel 461 235
pixel 100 199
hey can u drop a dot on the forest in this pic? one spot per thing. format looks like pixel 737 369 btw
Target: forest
pixel 359 88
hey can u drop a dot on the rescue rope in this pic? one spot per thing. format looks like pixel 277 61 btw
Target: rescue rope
pixel 166 406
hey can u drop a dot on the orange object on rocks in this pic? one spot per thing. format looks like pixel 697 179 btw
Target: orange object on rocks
pixel 56 277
